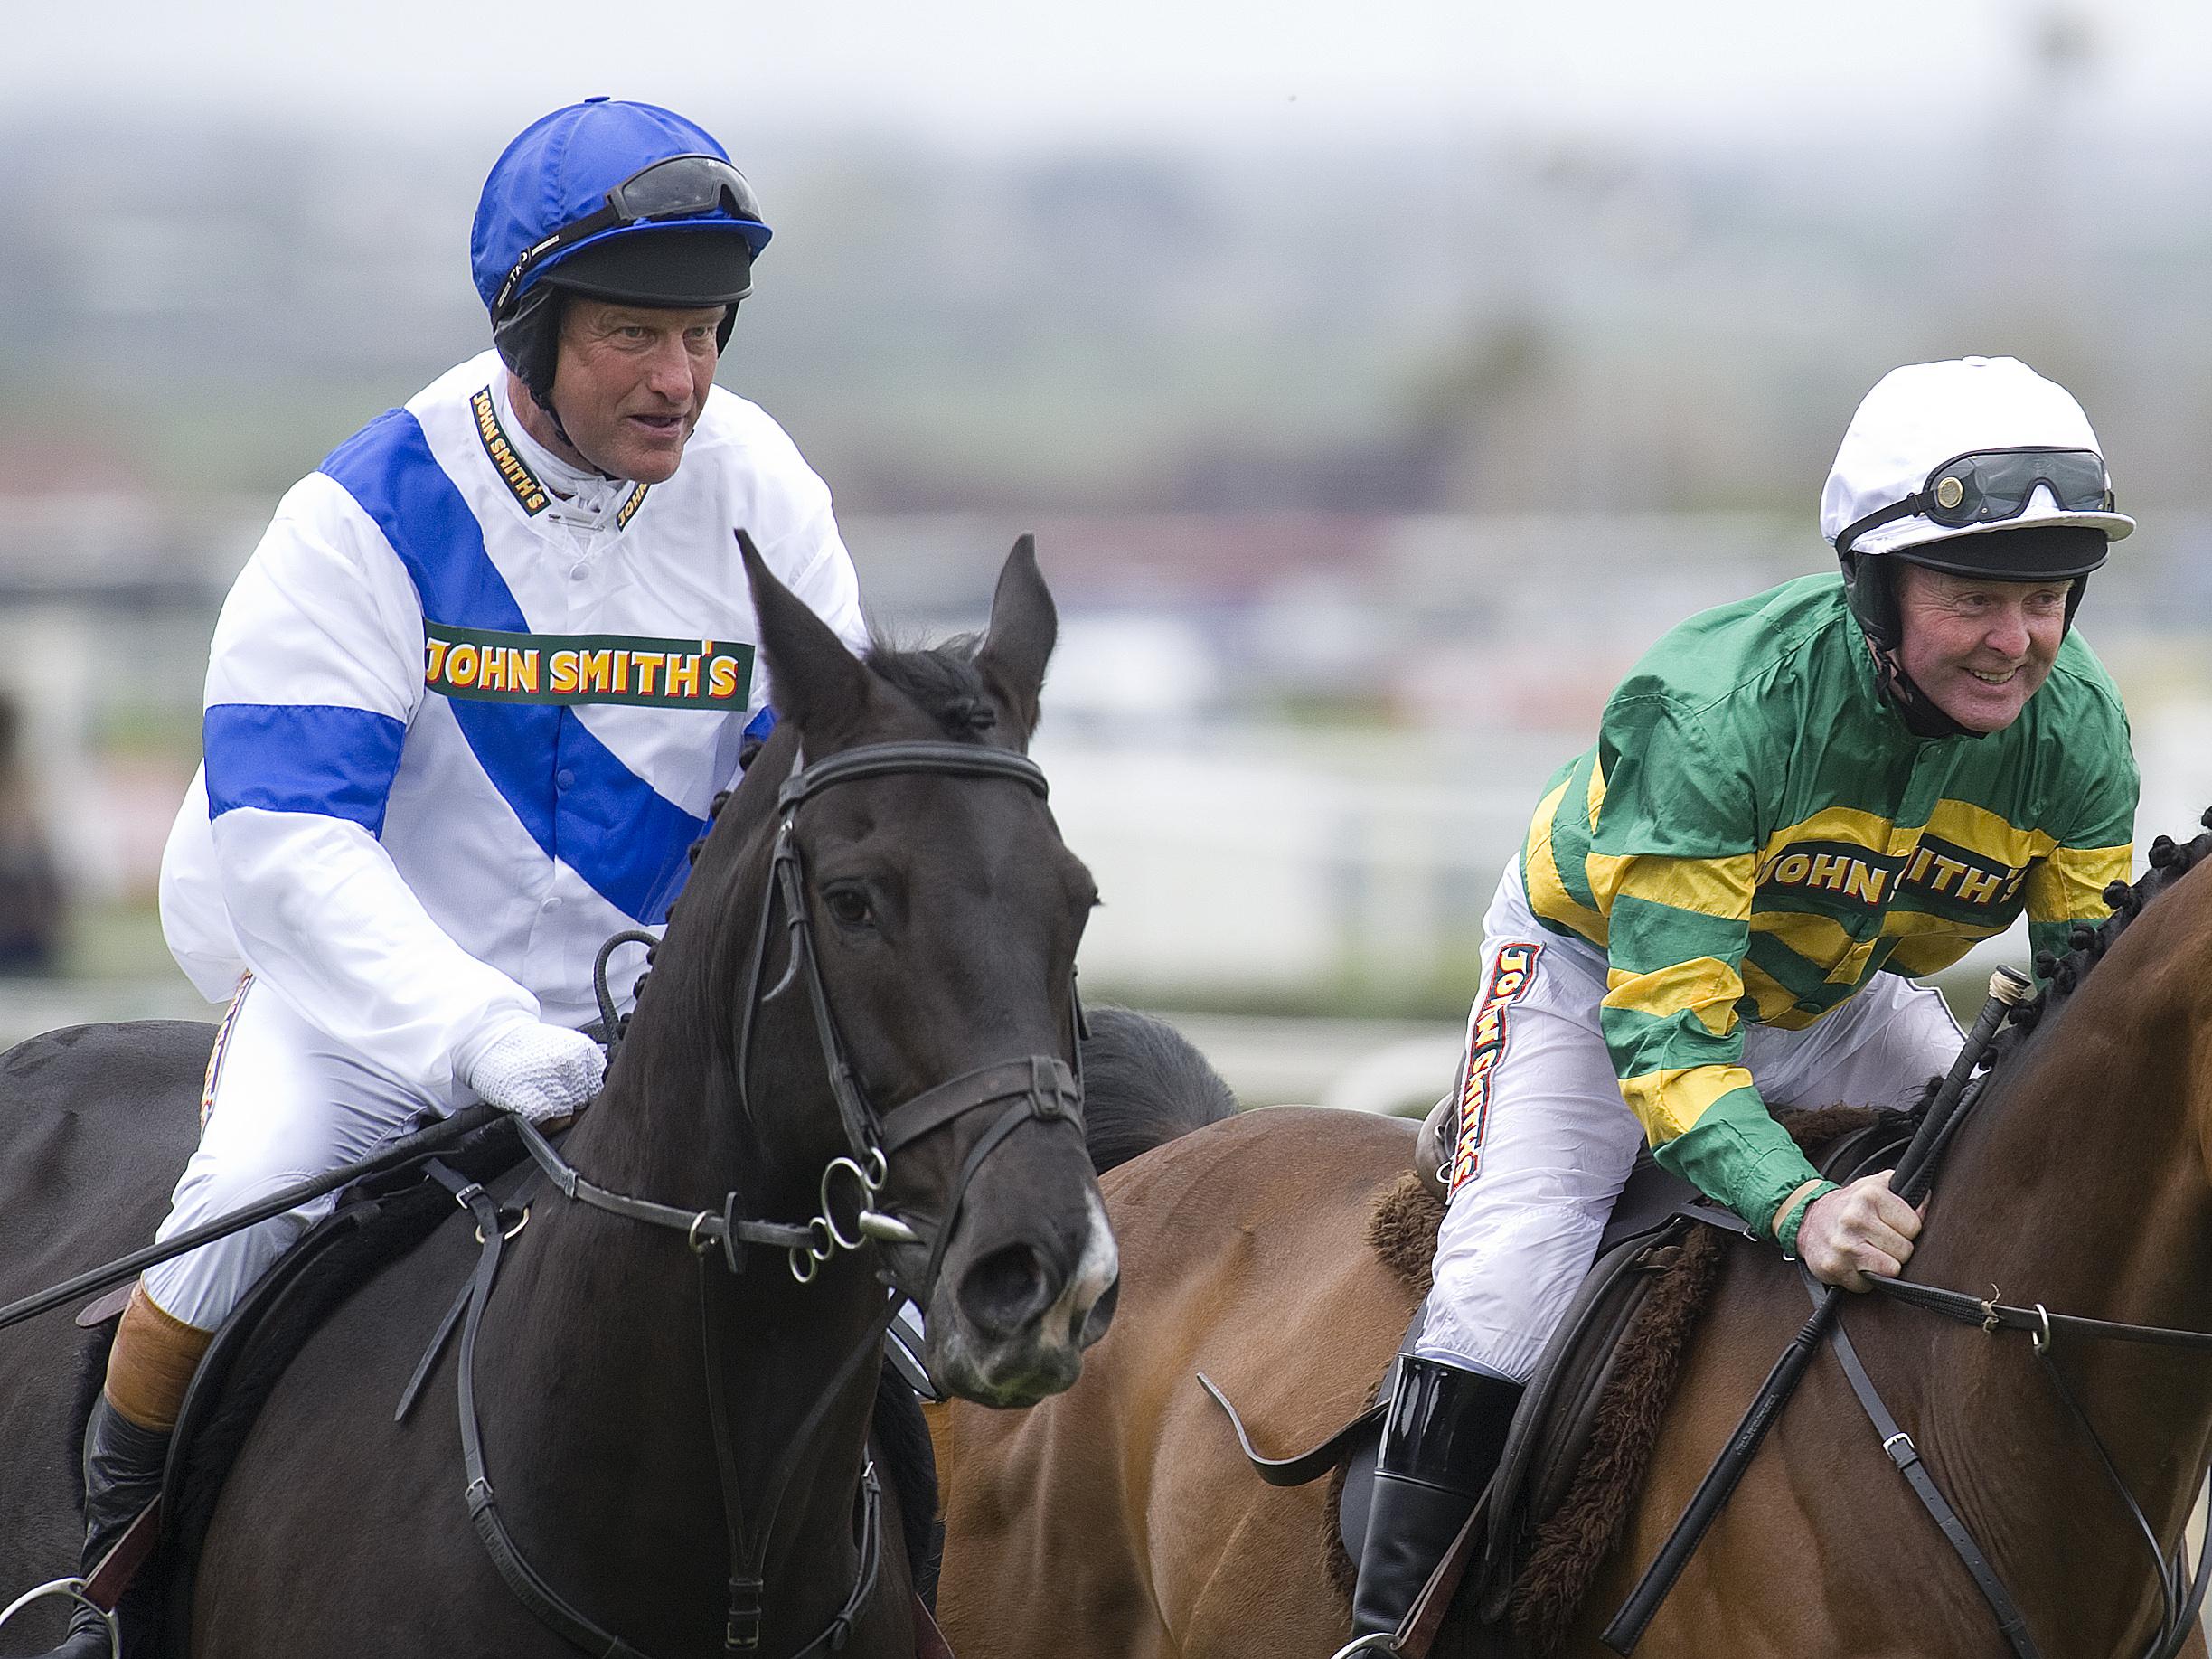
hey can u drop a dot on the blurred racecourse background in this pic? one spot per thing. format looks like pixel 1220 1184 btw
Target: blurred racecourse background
pixel 1379 386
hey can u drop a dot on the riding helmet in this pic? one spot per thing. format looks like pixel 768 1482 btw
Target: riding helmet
pixel 1915 422
pixel 561 171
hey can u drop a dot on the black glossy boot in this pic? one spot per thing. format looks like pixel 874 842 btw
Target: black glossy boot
pixel 122 1474
pixel 1440 1445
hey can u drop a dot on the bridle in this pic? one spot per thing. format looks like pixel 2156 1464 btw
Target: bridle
pixel 1039 1087
pixel 2180 1596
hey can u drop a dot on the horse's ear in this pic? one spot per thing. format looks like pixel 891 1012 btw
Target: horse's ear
pixel 816 682
pixel 1023 627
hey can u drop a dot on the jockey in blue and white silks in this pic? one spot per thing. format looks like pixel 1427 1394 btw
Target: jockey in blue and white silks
pixel 467 706
pixel 473 727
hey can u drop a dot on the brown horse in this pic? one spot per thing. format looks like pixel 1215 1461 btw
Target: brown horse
pixel 1120 1518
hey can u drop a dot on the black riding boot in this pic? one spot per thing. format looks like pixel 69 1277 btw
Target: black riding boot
pixel 1440 1445
pixel 122 1474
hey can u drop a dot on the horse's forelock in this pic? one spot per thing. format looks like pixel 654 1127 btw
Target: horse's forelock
pixel 943 683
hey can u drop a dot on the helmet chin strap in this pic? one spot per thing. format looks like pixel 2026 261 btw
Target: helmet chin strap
pixel 1923 716
pixel 545 407
pixel 1870 587
pixel 561 432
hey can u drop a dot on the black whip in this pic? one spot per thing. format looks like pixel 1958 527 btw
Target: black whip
pixel 420 1143
pixel 1909 1183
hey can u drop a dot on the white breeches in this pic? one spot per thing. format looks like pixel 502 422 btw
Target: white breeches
pixel 283 1104
pixel 1558 1141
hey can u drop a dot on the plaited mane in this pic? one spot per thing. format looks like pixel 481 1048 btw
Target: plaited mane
pixel 2087 942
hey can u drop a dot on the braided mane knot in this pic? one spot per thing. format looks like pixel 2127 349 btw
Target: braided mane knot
pixel 2087 942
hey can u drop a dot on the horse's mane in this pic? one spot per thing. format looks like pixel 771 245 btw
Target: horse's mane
pixel 2087 942
pixel 1143 1084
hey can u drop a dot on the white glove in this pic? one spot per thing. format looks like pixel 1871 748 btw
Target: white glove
pixel 544 1073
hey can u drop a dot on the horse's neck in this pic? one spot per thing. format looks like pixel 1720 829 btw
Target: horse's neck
pixel 2080 1185
pixel 2081 1182
pixel 603 1322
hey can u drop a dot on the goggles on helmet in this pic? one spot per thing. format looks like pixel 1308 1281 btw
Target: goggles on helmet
pixel 1988 487
pixel 680 187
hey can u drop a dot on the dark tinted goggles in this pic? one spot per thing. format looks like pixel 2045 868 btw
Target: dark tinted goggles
pixel 680 187
pixel 1992 486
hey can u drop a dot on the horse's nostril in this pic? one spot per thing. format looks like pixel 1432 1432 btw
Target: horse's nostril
pixel 1092 1325
pixel 1005 1290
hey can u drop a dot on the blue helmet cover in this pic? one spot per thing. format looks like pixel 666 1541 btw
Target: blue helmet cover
pixel 561 167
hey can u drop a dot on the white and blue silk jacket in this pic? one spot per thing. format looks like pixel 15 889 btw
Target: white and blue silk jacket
pixel 466 709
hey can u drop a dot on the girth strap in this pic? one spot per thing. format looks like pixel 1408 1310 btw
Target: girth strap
pixel 2010 1621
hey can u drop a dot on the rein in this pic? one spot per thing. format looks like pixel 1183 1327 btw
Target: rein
pixel 1993 1316
pixel 1038 1087
pixel 2180 1599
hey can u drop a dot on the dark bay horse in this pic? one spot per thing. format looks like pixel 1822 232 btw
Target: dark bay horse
pixel 942 913
pixel 1120 1518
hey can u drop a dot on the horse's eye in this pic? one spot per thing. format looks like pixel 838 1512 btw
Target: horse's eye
pixel 847 906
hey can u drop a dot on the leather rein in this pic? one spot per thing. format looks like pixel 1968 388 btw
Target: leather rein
pixel 2181 1599
pixel 1038 1087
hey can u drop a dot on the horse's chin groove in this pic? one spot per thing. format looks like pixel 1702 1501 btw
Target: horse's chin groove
pixel 1017 1375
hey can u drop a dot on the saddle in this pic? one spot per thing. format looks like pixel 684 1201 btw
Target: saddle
pixel 374 1223
pixel 1580 1439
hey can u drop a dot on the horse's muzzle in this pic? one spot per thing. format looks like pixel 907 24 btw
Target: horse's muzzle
pixel 1008 1326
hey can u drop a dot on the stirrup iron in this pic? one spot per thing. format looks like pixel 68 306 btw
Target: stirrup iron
pixel 69 1589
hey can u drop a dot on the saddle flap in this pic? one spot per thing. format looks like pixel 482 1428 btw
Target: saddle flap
pixel 1552 1427
pixel 372 1225
pixel 1649 1240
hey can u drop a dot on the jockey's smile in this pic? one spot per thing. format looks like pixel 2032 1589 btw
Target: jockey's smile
pixel 1979 648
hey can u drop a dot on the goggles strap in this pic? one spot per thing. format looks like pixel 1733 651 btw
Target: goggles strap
pixel 726 196
pixel 1915 503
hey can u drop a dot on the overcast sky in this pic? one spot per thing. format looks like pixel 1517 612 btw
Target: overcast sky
pixel 1019 70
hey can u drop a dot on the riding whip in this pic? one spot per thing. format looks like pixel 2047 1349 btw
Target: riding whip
pixel 1909 1182
pixel 423 1142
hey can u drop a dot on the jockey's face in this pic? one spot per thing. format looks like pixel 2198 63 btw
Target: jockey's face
pixel 630 383
pixel 1979 648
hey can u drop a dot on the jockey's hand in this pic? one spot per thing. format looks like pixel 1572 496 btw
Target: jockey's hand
pixel 545 1073
pixel 1860 1229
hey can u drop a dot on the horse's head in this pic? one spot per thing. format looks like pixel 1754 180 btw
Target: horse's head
pixel 931 915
